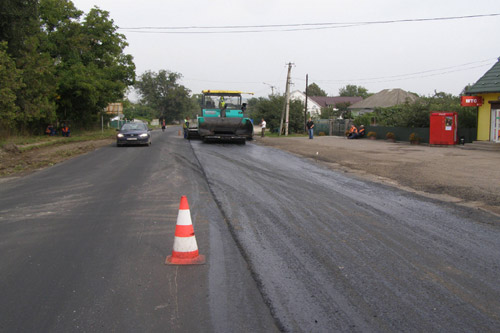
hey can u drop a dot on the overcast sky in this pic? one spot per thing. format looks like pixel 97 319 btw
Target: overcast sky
pixel 442 55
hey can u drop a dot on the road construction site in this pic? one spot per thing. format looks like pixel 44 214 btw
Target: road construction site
pixel 457 173
pixel 291 243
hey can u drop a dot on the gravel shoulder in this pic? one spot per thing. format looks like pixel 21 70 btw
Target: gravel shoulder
pixel 453 174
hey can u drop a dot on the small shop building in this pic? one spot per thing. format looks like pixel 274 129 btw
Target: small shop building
pixel 486 92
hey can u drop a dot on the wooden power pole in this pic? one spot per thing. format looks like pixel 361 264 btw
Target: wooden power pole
pixel 286 111
pixel 305 109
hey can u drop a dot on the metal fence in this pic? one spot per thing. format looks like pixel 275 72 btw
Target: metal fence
pixel 338 127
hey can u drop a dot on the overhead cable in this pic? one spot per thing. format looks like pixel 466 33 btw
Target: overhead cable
pixel 228 29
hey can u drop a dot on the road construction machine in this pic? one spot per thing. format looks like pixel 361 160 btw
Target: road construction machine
pixel 223 117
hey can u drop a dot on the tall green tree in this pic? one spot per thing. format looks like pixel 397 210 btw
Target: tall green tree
pixel 20 28
pixel 18 19
pixel 91 68
pixel 314 90
pixel 271 108
pixel 162 92
pixel 37 98
pixel 10 78
pixel 352 90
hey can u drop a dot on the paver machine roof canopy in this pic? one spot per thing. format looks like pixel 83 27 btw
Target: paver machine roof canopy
pixel 223 117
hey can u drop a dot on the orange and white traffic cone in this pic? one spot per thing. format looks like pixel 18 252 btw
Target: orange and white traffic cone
pixel 185 250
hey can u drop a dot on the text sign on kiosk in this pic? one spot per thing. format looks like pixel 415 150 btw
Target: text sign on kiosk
pixel 471 101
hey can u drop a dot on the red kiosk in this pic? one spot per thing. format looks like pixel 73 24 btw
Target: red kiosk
pixel 443 128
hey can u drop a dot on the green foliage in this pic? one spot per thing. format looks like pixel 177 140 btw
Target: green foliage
pixel 18 19
pixel 92 70
pixel 58 65
pixel 162 92
pixel 329 113
pixel 271 108
pixel 314 90
pixel 418 114
pixel 352 90
pixel 10 78
pixel 364 119
pixel 133 111
pixel 36 99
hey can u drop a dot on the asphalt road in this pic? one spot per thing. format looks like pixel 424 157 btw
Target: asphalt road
pixel 290 245
pixel 334 253
pixel 83 245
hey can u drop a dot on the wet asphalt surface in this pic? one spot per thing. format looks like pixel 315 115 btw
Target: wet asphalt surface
pixel 333 253
pixel 290 246
pixel 83 246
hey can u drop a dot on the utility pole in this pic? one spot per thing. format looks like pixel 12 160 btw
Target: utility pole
pixel 272 88
pixel 305 109
pixel 286 111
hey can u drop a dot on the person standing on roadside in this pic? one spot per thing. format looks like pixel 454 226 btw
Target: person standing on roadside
pixel 263 127
pixel 310 126
pixel 186 127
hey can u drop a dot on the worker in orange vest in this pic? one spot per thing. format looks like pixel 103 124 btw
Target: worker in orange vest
pixel 353 132
pixel 65 130
pixel 361 132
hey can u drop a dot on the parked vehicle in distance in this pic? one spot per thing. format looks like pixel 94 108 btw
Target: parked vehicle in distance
pixel 133 134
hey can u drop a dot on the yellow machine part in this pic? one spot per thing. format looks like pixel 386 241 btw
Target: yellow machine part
pixel 223 92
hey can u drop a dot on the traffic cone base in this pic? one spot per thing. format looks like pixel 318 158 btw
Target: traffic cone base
pixel 185 250
pixel 172 260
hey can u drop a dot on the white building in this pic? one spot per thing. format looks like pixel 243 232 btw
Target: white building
pixel 313 108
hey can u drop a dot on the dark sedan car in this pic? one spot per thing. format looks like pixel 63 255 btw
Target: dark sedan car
pixel 133 134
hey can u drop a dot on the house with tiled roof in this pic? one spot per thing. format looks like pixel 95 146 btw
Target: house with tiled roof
pixel 316 103
pixel 326 101
pixel 488 115
pixel 383 99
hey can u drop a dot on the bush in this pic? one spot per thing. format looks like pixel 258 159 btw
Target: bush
pixel 371 134
pixel 390 136
pixel 321 134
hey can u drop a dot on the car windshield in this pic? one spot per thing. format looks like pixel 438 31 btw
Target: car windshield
pixel 134 127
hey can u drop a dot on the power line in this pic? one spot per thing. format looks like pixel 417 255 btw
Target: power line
pixel 287 27
pixel 400 77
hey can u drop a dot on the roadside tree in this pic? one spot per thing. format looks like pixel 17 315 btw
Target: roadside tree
pixel 271 109
pixel 162 92
pixel 91 68
pixel 314 90
pixel 10 77
pixel 352 90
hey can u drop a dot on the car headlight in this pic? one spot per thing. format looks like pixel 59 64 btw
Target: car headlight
pixel 119 135
pixel 143 135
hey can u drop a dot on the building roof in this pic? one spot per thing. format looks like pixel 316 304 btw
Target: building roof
pixel 489 82
pixel 333 101
pixel 385 98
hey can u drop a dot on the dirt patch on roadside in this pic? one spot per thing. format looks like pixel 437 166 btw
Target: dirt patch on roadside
pixel 467 177
pixel 15 162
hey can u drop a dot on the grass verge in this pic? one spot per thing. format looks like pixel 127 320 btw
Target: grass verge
pixel 26 143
